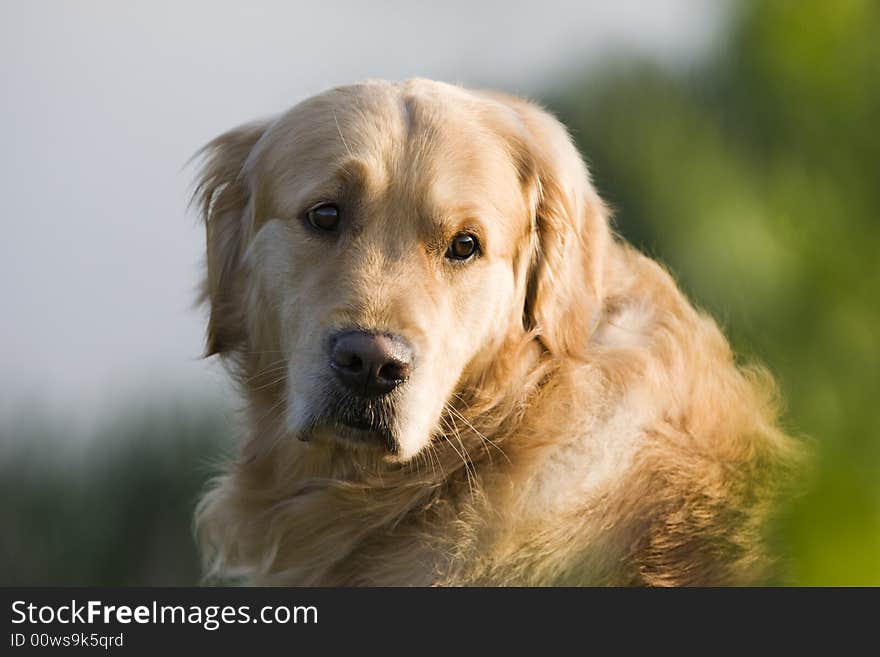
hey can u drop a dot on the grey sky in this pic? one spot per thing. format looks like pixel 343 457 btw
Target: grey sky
pixel 104 102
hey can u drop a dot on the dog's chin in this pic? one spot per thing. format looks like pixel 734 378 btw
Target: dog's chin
pixel 357 427
pixel 374 427
pixel 359 436
pixel 351 433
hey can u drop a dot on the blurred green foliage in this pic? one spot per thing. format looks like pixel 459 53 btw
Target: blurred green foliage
pixel 114 509
pixel 753 176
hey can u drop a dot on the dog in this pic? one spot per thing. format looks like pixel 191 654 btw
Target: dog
pixel 454 372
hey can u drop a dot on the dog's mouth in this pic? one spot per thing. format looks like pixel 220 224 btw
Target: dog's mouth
pixel 358 421
pixel 364 437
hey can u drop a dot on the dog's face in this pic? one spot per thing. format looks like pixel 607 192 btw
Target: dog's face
pixel 380 246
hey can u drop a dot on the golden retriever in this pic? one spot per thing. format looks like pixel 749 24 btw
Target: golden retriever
pixel 454 373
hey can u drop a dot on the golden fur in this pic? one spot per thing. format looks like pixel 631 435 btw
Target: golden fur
pixel 571 419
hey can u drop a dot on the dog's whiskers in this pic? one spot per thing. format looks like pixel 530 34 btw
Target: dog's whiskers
pixel 485 439
pixel 463 455
pixel 430 455
pixel 278 405
pixel 271 384
pixel 271 368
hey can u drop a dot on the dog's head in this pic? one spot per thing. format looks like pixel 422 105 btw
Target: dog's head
pixel 380 246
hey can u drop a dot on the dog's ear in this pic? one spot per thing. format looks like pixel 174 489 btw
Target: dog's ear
pixel 570 236
pixel 224 196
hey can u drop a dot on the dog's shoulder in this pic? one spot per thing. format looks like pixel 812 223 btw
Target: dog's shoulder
pixel 668 460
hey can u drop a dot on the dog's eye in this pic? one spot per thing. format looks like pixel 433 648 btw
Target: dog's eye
pixel 324 217
pixel 462 247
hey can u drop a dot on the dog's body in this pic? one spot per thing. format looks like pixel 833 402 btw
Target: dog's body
pixel 546 406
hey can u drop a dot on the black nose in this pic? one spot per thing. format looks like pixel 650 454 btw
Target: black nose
pixel 370 364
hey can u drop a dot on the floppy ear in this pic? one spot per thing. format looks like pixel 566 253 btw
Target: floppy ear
pixel 224 197
pixel 564 297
